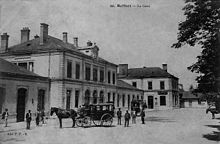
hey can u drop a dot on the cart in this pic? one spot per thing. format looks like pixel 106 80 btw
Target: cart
pixel 98 114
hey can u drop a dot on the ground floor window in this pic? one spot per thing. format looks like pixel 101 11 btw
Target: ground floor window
pixel 162 100
pixel 123 100
pixel 76 98
pixel 114 98
pixel 87 97
pixel 101 95
pixel 128 101
pixel 68 95
pixel 109 97
pixel 118 101
pixel 95 97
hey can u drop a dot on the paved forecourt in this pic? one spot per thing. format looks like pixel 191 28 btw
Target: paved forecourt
pixel 182 126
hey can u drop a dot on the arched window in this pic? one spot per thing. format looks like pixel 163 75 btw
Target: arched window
pixel 94 97
pixel 101 99
pixel 87 97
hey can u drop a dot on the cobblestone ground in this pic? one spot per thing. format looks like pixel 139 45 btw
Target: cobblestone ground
pixel 179 126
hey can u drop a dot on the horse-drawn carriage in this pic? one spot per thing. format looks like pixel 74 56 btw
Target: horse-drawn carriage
pixel 99 114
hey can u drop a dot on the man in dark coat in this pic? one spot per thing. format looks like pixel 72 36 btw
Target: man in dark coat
pixel 127 118
pixel 142 116
pixel 119 114
pixel 28 119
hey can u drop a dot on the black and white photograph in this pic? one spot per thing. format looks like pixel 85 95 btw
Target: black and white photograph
pixel 109 71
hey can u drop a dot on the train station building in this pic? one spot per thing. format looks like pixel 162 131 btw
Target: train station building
pixel 77 74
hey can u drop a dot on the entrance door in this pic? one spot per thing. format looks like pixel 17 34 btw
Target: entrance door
pixel 150 102
pixel 68 96
pixel 22 92
pixel 41 97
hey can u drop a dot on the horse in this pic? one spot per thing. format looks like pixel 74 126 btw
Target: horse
pixel 62 113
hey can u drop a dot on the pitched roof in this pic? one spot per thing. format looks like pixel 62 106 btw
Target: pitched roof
pixel 122 84
pixel 52 44
pixel 147 72
pixel 11 70
pixel 190 95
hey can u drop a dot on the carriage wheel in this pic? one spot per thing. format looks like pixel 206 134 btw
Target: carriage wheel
pixel 96 121
pixel 86 121
pixel 106 120
pixel 79 122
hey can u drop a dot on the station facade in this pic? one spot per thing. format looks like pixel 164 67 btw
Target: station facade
pixel 76 75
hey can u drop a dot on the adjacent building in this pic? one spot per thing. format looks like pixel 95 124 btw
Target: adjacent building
pixel 160 87
pixel 126 93
pixel 22 90
pixel 190 100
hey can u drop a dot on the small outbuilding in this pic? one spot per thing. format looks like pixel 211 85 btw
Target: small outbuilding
pixel 190 100
pixel 22 90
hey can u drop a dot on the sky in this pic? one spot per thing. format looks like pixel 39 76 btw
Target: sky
pixel 136 36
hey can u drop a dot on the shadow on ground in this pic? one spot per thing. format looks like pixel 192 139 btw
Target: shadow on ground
pixel 215 135
pixel 158 119
pixel 91 126
pixel 12 139
pixel 12 130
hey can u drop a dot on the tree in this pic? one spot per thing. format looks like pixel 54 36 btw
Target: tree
pixel 201 27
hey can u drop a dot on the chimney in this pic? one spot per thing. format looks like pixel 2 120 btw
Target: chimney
pixel 164 67
pixel 123 69
pixel 65 37
pixel 75 40
pixel 43 33
pixel 4 42
pixel 89 43
pixel 25 34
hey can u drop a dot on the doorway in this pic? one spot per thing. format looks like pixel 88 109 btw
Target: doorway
pixel 150 102
pixel 22 93
pixel 41 97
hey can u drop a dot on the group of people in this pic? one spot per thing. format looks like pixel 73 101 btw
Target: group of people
pixel 40 116
pixel 128 116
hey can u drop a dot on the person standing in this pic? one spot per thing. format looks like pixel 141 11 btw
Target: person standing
pixel 119 114
pixel 133 116
pixel 142 116
pixel 43 117
pixel 38 118
pixel 5 117
pixel 127 118
pixel 28 119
